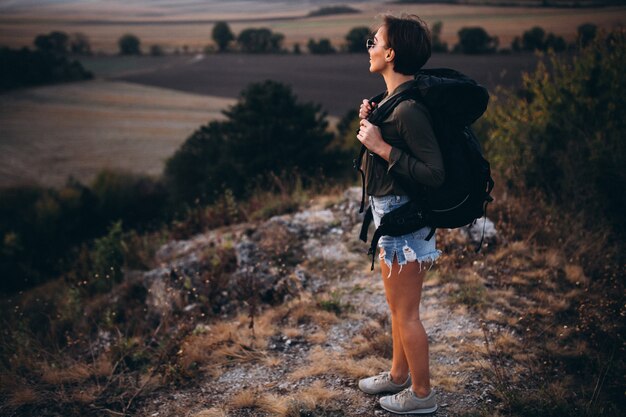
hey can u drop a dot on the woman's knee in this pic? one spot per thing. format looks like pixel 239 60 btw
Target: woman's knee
pixel 406 315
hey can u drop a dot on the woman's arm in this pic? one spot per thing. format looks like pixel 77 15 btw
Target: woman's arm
pixel 424 164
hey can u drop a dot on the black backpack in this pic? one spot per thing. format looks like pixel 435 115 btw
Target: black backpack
pixel 454 102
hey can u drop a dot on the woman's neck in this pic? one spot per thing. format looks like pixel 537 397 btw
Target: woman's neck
pixel 394 79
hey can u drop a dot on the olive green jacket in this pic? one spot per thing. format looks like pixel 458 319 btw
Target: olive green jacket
pixel 415 154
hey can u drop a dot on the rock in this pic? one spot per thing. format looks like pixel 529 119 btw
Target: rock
pixel 474 232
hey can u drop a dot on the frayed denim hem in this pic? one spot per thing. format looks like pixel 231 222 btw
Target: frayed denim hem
pixel 408 255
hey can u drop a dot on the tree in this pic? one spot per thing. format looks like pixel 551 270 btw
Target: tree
pixel 267 131
pixel 260 40
pixel 79 44
pixel 322 47
pixel 222 35
pixel 129 44
pixel 156 50
pixel 437 44
pixel 476 40
pixel 55 42
pixel 534 39
pixel 586 33
pixel 356 39
pixel 556 43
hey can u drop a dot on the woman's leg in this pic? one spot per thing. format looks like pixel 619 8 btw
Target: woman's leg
pixel 410 342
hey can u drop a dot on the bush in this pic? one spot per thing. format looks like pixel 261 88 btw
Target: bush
pixel 437 44
pixel 129 44
pixel 356 39
pixel 23 67
pixel 267 131
pixel 39 227
pixel 55 42
pixel 79 44
pixel 323 46
pixel 222 35
pixel 536 39
pixel 260 41
pixel 156 50
pixel 563 137
pixel 108 259
pixel 586 33
pixel 332 10
pixel 476 40
pixel 137 199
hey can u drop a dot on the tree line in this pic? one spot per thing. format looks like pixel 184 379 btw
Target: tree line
pixel 471 40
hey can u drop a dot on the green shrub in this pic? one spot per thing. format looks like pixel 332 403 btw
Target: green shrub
pixel 563 136
pixel 476 40
pixel 321 47
pixel 437 44
pixel 536 39
pixel 137 199
pixel 108 259
pixel 129 44
pixel 23 67
pixel 260 40
pixel 39 226
pixel 222 35
pixel 266 132
pixel 356 39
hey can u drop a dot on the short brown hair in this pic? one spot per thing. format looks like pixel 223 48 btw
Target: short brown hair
pixel 409 37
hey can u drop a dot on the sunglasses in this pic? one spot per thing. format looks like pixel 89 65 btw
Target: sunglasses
pixel 370 43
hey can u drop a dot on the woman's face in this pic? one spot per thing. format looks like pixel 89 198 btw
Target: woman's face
pixel 378 52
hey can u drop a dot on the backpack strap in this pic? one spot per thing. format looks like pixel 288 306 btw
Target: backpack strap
pixel 488 199
pixel 377 116
pixel 369 216
pixel 372 250
pixel 356 163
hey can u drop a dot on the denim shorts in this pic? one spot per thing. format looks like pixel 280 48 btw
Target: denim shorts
pixel 406 248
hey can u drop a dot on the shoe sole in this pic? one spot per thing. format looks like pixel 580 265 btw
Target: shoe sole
pixel 380 392
pixel 419 411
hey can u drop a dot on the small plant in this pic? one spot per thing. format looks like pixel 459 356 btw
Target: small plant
pixel 334 304
pixel 108 259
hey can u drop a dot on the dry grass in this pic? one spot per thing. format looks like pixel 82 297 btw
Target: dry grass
pixel 23 395
pixel 137 127
pixel 301 311
pixel 322 362
pixel 312 397
pixel 72 374
pixel 315 395
pixel 226 343
pixel 212 412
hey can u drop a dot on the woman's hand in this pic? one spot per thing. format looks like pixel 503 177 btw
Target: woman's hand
pixel 365 109
pixel 369 135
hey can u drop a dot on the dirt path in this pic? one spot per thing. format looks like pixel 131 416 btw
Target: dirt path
pixel 315 347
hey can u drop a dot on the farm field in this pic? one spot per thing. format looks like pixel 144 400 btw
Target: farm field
pixel 52 132
pixel 174 25
pixel 338 82
pixel 132 117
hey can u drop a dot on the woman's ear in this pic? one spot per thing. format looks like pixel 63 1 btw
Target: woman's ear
pixel 390 55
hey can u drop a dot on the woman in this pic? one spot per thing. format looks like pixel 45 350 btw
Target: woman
pixel 404 146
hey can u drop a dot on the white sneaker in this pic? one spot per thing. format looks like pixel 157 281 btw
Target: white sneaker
pixel 382 383
pixel 406 402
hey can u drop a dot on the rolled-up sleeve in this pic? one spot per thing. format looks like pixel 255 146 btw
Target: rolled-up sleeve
pixel 424 163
